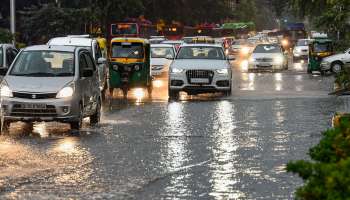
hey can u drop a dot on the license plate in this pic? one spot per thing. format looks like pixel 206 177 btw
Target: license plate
pixel 34 106
pixel 200 80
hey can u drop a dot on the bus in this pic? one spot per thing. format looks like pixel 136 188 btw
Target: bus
pixel 132 29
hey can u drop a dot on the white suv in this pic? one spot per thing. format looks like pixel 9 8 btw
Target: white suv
pixel 336 62
pixel 200 68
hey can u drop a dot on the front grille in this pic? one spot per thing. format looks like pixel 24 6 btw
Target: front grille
pixel 264 59
pixel 203 74
pixel 34 96
pixel 19 110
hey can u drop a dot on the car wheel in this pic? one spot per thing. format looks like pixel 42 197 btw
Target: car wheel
pixel 95 118
pixel 173 95
pixel 337 67
pixel 77 124
pixel 228 93
pixel 5 127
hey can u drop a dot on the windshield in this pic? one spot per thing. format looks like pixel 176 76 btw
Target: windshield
pixel 127 50
pixel 124 29
pixel 212 53
pixel 302 43
pixel 322 47
pixel 1 56
pixel 268 48
pixel 44 64
pixel 162 52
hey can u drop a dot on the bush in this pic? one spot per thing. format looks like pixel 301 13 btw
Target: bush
pixel 327 177
pixel 5 36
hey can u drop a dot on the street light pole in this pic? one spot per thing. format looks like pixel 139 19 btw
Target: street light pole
pixel 13 20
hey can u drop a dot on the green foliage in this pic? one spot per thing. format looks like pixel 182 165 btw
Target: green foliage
pixel 327 177
pixel 5 36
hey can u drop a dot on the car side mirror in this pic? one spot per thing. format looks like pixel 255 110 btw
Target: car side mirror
pixel 3 71
pixel 101 61
pixel 169 57
pixel 87 73
pixel 231 57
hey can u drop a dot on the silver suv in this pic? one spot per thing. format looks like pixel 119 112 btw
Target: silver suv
pixel 51 83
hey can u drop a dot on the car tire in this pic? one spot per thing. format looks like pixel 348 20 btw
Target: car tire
pixel 5 127
pixel 337 67
pixel 95 118
pixel 228 93
pixel 77 124
pixel 173 95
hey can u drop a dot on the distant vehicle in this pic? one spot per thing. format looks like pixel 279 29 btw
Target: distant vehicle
pixel 156 39
pixel 336 62
pixel 301 50
pixel 160 58
pixel 240 48
pixel 268 57
pixel 200 68
pixel 51 83
pixel 132 29
pixel 175 43
pixel 292 33
pixel 92 45
pixel 7 54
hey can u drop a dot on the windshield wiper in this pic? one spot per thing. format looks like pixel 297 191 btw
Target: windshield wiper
pixel 37 74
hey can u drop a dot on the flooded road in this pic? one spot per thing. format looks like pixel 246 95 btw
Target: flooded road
pixel 201 147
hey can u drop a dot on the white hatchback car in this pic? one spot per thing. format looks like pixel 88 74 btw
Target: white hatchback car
pixel 90 44
pixel 200 68
pixel 160 54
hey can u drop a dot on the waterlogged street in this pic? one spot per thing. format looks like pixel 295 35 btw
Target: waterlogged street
pixel 203 147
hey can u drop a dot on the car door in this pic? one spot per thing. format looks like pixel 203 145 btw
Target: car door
pixel 84 82
pixel 93 82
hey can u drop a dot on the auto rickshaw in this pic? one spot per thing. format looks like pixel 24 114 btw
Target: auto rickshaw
pixel 319 49
pixel 129 65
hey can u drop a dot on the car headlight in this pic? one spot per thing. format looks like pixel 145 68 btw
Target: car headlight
pixel 222 71
pixel 285 42
pixel 279 60
pixel 251 60
pixel 245 50
pixel 176 70
pixel 65 92
pixel 5 91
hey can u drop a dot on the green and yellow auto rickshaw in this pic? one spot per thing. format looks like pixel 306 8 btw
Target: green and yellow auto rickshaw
pixel 319 49
pixel 129 65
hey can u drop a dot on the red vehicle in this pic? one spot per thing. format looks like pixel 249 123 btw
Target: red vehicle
pixel 132 29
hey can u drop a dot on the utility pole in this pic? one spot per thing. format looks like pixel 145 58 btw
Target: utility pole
pixel 13 20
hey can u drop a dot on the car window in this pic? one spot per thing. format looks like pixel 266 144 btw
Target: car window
pixel 198 52
pixel 82 63
pixel 1 56
pixel 268 48
pixel 44 64
pixel 89 61
pixel 302 43
pixel 9 56
pixel 162 52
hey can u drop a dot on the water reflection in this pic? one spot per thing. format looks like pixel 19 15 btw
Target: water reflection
pixel 248 80
pixel 176 153
pixel 278 81
pixel 224 169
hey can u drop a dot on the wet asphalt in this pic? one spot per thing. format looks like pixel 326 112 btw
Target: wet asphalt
pixel 200 147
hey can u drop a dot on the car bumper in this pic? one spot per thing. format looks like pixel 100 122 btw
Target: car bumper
pixel 325 66
pixel 301 55
pixel 218 83
pixel 265 66
pixel 18 109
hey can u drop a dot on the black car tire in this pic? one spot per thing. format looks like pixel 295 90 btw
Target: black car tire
pixel 95 118
pixel 337 67
pixel 173 95
pixel 77 124
pixel 5 127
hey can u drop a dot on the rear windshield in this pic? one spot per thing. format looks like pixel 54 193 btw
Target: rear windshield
pixel 211 53
pixel 44 64
pixel 267 49
pixel 162 52
pixel 302 43
pixel 127 50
